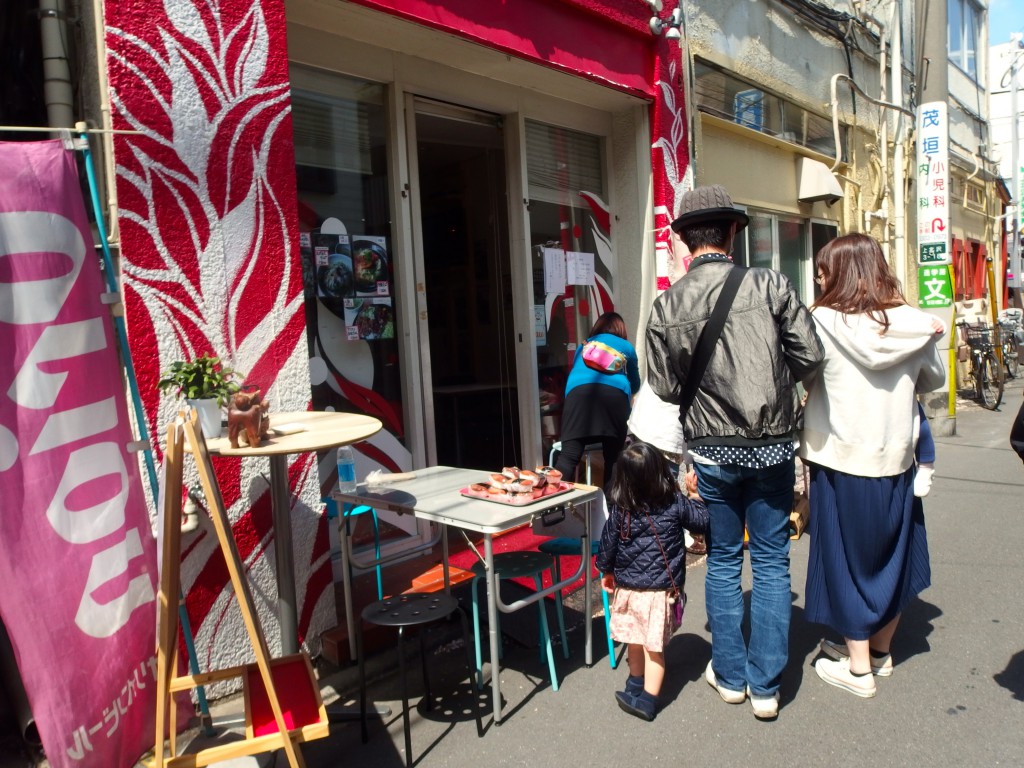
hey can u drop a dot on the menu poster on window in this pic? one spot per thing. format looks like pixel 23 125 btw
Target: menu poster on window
pixel 370 265
pixel 540 325
pixel 369 319
pixel 332 258
pixel 579 268
pixel 554 270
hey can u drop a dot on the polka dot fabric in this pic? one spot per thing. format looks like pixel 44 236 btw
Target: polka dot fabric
pixel 754 457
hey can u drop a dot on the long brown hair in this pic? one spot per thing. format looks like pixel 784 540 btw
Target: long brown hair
pixel 857 279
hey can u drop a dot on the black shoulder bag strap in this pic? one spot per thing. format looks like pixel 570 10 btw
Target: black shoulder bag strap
pixel 709 338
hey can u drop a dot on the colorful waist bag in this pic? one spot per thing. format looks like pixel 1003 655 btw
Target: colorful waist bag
pixel 603 358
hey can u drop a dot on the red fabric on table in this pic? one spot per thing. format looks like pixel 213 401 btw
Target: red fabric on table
pixel 522 539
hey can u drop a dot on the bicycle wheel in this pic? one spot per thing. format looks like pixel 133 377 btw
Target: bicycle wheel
pixel 1011 357
pixel 989 381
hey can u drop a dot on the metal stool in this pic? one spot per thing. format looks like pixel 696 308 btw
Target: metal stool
pixel 557 448
pixel 511 565
pixel 566 545
pixel 415 609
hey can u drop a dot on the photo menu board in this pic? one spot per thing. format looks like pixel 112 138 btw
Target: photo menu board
pixel 352 280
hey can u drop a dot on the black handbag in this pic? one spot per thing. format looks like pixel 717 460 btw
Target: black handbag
pixel 709 335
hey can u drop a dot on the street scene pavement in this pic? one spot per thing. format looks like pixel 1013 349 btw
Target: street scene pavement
pixel 956 697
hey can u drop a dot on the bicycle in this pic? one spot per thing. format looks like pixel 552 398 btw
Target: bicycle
pixel 984 370
pixel 1011 333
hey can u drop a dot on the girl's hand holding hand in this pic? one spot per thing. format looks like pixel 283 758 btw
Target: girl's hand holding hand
pixel 690 483
pixel 608 582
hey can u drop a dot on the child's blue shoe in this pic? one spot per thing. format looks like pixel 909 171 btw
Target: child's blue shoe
pixel 641 705
pixel 634 685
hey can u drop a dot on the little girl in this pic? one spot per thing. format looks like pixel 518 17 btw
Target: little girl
pixel 642 558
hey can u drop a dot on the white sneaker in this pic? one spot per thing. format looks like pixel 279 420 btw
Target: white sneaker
pixel 839 651
pixel 765 707
pixel 728 696
pixel 838 673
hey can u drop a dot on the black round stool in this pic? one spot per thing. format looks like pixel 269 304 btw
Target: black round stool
pixel 415 609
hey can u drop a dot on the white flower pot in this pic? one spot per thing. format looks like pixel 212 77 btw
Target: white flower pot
pixel 209 416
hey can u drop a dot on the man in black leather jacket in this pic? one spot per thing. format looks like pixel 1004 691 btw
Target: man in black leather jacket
pixel 740 430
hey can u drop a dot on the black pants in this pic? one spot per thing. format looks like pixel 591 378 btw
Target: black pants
pixel 572 451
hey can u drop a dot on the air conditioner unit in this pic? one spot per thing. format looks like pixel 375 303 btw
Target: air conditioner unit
pixel 816 182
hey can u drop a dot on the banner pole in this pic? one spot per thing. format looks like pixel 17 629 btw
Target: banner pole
pixel 140 417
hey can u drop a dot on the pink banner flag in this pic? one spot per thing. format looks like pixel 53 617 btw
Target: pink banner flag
pixel 78 556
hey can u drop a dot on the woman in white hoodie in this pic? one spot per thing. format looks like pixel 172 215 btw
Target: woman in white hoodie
pixel 869 554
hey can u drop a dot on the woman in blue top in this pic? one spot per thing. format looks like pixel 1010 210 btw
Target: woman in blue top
pixel 597 403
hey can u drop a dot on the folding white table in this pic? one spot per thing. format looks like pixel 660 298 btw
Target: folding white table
pixel 433 494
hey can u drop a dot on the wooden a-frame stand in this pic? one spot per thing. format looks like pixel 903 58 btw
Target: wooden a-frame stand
pixel 283 706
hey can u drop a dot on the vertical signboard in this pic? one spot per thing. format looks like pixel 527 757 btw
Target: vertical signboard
pixel 933 185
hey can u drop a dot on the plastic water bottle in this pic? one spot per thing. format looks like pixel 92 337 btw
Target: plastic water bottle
pixel 346 470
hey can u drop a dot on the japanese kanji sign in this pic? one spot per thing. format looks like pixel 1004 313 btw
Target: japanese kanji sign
pixel 933 287
pixel 933 184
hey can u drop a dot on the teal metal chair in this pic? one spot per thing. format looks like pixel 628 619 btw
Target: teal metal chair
pixel 569 546
pixel 349 512
pixel 511 565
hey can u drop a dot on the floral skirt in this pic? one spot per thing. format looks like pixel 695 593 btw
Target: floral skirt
pixel 645 617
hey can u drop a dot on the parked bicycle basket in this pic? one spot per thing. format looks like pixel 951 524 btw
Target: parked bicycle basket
pixel 977 334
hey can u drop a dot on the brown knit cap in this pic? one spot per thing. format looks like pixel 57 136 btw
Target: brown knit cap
pixel 705 204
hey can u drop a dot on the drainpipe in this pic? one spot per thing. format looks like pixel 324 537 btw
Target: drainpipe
pixel 106 123
pixel 56 72
pixel 899 198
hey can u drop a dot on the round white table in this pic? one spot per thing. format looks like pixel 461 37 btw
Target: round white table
pixel 302 431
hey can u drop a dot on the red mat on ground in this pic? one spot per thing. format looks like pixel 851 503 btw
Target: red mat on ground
pixel 522 539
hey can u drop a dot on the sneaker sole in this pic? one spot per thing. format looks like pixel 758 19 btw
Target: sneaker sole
pixel 729 697
pixel 864 693
pixel 835 655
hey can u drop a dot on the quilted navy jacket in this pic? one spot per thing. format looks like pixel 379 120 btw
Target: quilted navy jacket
pixel 629 550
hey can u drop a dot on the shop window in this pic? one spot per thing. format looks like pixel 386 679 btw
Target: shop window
pixel 723 95
pixel 340 127
pixel 567 213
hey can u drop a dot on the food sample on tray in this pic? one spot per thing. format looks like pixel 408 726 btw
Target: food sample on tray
pixel 519 486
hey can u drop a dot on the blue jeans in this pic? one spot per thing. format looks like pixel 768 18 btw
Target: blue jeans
pixel 760 500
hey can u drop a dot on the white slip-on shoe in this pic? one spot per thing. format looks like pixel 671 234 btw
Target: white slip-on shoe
pixel 728 696
pixel 838 673
pixel 765 707
pixel 839 651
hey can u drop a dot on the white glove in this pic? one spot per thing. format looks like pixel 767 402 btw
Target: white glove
pixel 923 479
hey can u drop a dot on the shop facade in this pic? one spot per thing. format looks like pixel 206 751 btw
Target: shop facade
pixel 409 210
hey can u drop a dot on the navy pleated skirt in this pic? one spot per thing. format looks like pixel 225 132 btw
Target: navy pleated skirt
pixel 868 552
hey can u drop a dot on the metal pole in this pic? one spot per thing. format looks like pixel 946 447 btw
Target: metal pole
pixel 1015 264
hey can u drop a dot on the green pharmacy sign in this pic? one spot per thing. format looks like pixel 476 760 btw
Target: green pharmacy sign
pixel 933 287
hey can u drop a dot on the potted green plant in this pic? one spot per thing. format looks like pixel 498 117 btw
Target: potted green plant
pixel 206 384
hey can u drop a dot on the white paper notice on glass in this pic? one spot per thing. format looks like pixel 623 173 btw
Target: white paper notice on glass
pixel 579 268
pixel 554 270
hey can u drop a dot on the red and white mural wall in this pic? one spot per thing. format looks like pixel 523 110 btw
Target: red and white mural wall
pixel 210 238
pixel 209 246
